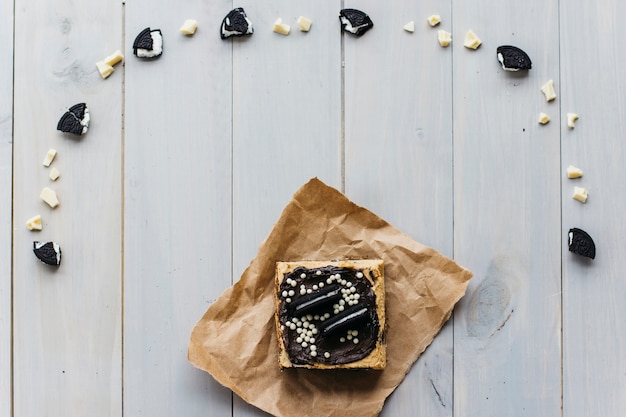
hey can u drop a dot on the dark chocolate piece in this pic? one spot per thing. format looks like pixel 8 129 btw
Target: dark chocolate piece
pixel 148 44
pixel 355 21
pixel 513 58
pixel 236 23
pixel 581 243
pixel 75 120
pixel 48 252
pixel 316 300
pixel 349 317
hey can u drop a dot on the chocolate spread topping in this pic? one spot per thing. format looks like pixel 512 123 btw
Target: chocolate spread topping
pixel 334 327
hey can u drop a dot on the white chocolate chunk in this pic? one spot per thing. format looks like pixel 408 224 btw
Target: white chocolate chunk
pixel 49 157
pixel 189 27
pixel 304 24
pixel 104 69
pixel 49 196
pixel 543 118
pixel 434 20
pixel 34 223
pixel 573 172
pixel 54 174
pixel 280 27
pixel 114 58
pixel 571 119
pixel 580 194
pixel 444 38
pixel 472 41
pixel 548 90
pixel 409 27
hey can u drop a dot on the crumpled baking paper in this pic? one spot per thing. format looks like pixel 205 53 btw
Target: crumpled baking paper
pixel 235 340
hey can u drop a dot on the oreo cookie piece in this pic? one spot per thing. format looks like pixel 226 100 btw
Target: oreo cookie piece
pixel 513 58
pixel 236 23
pixel 148 44
pixel 355 21
pixel 75 120
pixel 48 252
pixel 581 243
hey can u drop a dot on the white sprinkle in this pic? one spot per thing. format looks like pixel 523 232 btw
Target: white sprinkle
pixel 335 306
pixel 293 283
pixel 287 300
pixel 299 323
pixel 291 293
pixel 299 340
pixel 285 294
pixel 282 327
pixel 309 317
pixel 303 318
pixel 309 333
pixel 353 289
pixel 304 344
pixel 309 291
pixel 342 302
pixel 305 324
pixel 292 327
pixel 318 272
pixel 316 317
pixel 321 285
pixel 349 284
pixel 344 282
pixel 288 324
pixel 326 355
pixel 313 347
pixel 357 296
pixel 341 307
pixel 359 274
pixel 299 330
pixel 342 339
pixel 327 315
pixel 322 318
pixel 329 281
pixel 355 340
pixel 314 331
pixel 288 280
pixel 315 287
pixel 303 275
pixel 336 311
pixel 295 319
pixel 302 291
pixel 355 332
pixel 312 340
pixel 313 353
pixel 349 337
pixel 307 338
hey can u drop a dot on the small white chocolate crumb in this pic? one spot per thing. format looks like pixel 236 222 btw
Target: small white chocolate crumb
pixel 280 27
pixel 548 90
pixel 189 27
pixel 573 172
pixel 49 196
pixel 434 20
pixel 571 119
pixel 543 118
pixel 580 194
pixel 409 27
pixel 472 41
pixel 444 38
pixel 34 223
pixel 49 157
pixel 304 24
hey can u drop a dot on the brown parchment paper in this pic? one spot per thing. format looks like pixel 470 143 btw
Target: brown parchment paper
pixel 235 340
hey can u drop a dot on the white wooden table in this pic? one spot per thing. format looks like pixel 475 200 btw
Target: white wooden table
pixel 190 159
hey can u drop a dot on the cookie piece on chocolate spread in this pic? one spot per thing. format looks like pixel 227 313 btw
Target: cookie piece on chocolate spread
pixel 331 314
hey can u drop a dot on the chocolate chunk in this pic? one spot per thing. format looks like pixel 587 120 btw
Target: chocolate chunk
pixel 148 44
pixel 48 252
pixel 75 120
pixel 355 21
pixel 513 58
pixel 236 23
pixel 581 243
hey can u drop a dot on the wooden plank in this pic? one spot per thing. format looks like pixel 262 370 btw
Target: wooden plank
pixel 67 320
pixel 507 214
pixel 286 119
pixel 6 172
pixel 593 305
pixel 398 110
pixel 177 232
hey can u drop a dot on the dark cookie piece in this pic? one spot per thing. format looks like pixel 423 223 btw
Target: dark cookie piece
pixel 48 252
pixel 355 21
pixel 236 23
pixel 581 243
pixel 75 120
pixel 513 59
pixel 148 44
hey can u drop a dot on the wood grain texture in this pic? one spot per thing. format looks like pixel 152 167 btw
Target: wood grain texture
pixel 398 159
pixel 507 175
pixel 67 320
pixel 594 376
pixel 177 225
pixel 6 173
pixel 286 119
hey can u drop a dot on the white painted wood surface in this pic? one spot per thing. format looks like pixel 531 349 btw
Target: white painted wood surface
pixel 190 159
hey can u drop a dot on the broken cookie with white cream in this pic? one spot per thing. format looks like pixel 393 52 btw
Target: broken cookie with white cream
pixel 355 21
pixel 148 44
pixel 236 23
pixel 75 120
